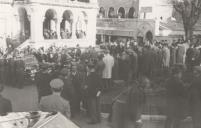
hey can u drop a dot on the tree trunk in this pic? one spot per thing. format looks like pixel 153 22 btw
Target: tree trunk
pixel 188 32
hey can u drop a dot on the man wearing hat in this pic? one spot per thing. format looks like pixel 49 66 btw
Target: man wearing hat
pixel 55 102
pixel 195 98
pixel 5 104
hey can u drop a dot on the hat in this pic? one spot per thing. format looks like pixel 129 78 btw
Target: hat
pixel 56 83
pixel 197 68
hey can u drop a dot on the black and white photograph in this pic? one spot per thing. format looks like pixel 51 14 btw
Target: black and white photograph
pixel 100 63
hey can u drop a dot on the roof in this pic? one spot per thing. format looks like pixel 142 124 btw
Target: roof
pixel 177 26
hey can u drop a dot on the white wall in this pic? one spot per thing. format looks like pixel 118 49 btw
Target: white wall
pixel 159 8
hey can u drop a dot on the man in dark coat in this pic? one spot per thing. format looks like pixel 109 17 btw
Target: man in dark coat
pixel 191 57
pixel 173 51
pixel 133 64
pixel 147 61
pixel 124 66
pixel 99 68
pixel 76 78
pixel 92 88
pixel 175 98
pixel 68 90
pixel 5 104
pixel 43 79
pixel 20 66
pixel 195 98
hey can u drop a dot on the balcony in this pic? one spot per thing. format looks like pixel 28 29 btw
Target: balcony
pixel 123 27
pixel 123 23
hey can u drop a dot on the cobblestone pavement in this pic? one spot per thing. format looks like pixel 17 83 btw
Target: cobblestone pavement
pixel 26 100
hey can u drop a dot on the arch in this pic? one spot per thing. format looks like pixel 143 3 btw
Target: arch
pixel 51 14
pixel 81 25
pixel 131 12
pixel 111 13
pixel 68 15
pixel 149 36
pixel 102 11
pixel 24 24
pixel 121 12
pixel 49 24
pixel 66 25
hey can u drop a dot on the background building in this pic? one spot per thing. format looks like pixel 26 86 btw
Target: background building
pixel 49 21
pixel 139 19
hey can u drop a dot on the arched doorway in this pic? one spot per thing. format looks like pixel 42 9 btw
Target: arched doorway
pixel 49 24
pixel 149 36
pixel 66 25
pixel 131 12
pixel 81 25
pixel 24 23
pixel 102 12
pixel 111 13
pixel 121 12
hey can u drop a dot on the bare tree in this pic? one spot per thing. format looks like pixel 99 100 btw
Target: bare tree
pixel 190 11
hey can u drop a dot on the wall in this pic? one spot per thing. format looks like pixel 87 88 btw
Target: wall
pixel 160 8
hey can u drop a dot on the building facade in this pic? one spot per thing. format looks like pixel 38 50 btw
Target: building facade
pixel 68 22
pixel 139 19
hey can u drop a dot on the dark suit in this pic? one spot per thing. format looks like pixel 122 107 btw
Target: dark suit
pixel 77 95
pixel 93 102
pixel 42 81
pixel 5 106
pixel 20 66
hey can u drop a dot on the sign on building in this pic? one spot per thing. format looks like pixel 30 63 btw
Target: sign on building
pixel 146 9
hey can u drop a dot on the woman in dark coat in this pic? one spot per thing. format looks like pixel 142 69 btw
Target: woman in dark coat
pixel 175 98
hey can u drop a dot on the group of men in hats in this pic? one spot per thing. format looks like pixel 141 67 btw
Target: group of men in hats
pixel 65 91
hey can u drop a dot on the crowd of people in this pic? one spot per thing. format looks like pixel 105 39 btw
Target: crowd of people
pixel 71 79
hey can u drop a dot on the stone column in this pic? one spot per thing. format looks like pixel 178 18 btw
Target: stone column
pixel 73 29
pixel 59 20
pixel 37 27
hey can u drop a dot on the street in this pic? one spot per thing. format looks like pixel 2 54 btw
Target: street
pixel 26 100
